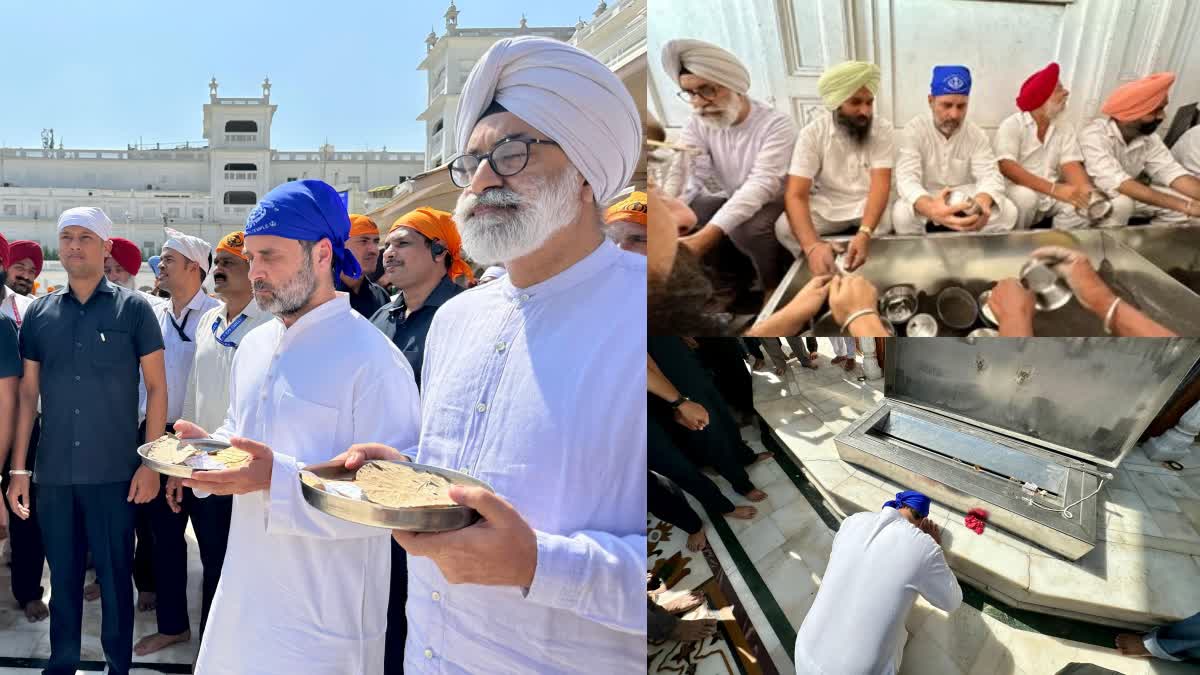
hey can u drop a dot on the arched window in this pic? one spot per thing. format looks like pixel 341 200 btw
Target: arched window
pixel 241 127
pixel 241 197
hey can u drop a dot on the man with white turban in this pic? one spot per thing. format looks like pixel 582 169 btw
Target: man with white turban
pixel 942 153
pixel 553 578
pixel 741 149
pixel 841 171
pixel 182 268
pixel 1120 146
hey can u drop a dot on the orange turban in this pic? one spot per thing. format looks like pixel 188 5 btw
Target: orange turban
pixel 360 225
pixel 233 243
pixel 435 224
pixel 1138 98
pixel 632 209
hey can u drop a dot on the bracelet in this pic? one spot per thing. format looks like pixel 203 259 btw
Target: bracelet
pixel 20 472
pixel 812 246
pixel 1108 316
pixel 869 231
pixel 1053 187
pixel 860 313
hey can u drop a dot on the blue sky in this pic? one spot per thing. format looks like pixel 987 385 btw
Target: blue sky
pixel 103 74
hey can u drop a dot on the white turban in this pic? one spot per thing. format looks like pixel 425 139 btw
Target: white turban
pixel 193 248
pixel 706 60
pixel 566 94
pixel 89 217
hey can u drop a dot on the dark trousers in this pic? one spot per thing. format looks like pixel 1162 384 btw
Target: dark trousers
pixel 664 456
pixel 210 521
pixel 143 552
pixel 665 500
pixel 725 359
pixel 74 519
pixel 755 239
pixel 28 555
pixel 397 621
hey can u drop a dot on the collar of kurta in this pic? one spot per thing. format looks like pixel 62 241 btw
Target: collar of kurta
pixel 103 287
pixel 251 310
pixel 335 308
pixel 591 266
pixel 197 302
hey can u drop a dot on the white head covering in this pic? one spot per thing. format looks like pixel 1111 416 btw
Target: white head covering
pixel 566 94
pixel 193 248
pixel 87 216
pixel 705 60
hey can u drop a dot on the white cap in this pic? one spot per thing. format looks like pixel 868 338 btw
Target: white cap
pixel 193 248
pixel 87 216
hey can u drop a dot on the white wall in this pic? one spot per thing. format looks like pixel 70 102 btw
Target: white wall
pixel 106 174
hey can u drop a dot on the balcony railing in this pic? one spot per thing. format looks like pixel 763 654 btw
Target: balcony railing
pixel 241 175
pixel 241 139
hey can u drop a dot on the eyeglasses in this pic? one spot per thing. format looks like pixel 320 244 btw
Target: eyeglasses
pixel 706 92
pixel 509 157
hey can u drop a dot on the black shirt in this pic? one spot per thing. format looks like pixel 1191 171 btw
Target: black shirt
pixel 10 351
pixel 369 298
pixel 90 358
pixel 409 333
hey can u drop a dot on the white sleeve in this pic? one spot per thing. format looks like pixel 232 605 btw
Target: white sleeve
pixel 909 170
pixel 1187 151
pixel 985 169
pixel 1161 164
pixel 1008 139
pixel 806 157
pixel 582 572
pixel 883 148
pixel 1106 172
pixel 1069 145
pixel 938 584
pixel 765 182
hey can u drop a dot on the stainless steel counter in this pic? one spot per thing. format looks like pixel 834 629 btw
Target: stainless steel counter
pixel 1151 282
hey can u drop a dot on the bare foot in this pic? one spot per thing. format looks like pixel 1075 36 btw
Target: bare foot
pixel 156 641
pixel 745 512
pixel 36 610
pixel 848 365
pixel 762 457
pixel 146 601
pixel 755 495
pixel 694 629
pixel 779 370
pixel 696 541
pixel 91 592
pixel 813 356
pixel 683 602
pixel 1130 644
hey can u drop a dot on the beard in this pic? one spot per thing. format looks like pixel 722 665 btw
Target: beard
pixel 1053 110
pixel 128 283
pixel 523 224
pixel 1147 128
pixel 725 115
pixel 947 127
pixel 292 296
pixel 857 126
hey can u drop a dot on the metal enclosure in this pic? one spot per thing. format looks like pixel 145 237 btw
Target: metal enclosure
pixel 1017 426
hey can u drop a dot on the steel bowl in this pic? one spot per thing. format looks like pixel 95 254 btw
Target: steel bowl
pixel 983 332
pixel 985 312
pixel 1099 207
pixel 1049 289
pixel 898 303
pixel 363 512
pixel 921 325
pixel 956 307
pixel 209 445
pixel 960 197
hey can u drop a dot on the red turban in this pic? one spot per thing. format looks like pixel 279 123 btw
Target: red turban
pixel 1138 98
pixel 22 249
pixel 3 251
pixel 127 254
pixel 1038 88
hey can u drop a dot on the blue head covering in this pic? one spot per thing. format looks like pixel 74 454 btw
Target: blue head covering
pixel 154 264
pixel 912 499
pixel 950 80
pixel 307 210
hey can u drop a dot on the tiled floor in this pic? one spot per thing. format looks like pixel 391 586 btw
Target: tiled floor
pixel 21 639
pixel 788 544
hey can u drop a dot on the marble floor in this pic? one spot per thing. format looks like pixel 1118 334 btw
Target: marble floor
pixel 21 640
pixel 775 561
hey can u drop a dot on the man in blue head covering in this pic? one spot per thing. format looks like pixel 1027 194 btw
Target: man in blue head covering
pixel 304 386
pixel 942 154
pixel 881 561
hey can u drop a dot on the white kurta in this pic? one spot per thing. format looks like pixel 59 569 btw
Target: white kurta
pixel 839 167
pixel 1187 151
pixel 300 591
pixel 541 392
pixel 1111 161
pixel 179 353
pixel 879 565
pixel 747 162
pixel 1017 140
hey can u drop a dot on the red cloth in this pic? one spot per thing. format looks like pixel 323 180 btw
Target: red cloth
pixel 976 519
pixel 3 251
pixel 127 254
pixel 1038 88
pixel 22 249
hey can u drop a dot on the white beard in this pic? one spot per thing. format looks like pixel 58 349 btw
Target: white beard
pixel 725 119
pixel 503 237
pixel 1053 111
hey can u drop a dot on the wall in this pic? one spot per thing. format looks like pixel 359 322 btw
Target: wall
pixel 107 174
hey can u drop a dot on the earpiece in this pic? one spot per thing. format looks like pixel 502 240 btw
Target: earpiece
pixel 436 248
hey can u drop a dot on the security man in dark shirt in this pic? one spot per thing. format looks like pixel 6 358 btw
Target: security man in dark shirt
pixel 83 346
pixel 366 296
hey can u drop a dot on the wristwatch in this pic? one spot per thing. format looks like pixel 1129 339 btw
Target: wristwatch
pixel 679 401
pixel 870 231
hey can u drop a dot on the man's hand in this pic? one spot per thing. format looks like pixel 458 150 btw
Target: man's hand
pixel 1077 196
pixel 1013 305
pixel 692 415
pixel 144 485
pixel 984 201
pixel 819 256
pixel 185 429
pixel 810 298
pixel 856 252
pixel 930 528
pixel 703 241
pixel 1076 268
pixel 254 476
pixel 359 453
pixel 848 295
pixel 944 214
pixel 174 493
pixel 18 496
pixel 501 550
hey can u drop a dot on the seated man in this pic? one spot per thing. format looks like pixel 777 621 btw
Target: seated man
pixel 1117 148
pixel 943 152
pixel 841 171
pixel 879 564
pixel 1040 156
pixel 742 148
pixel 1187 151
